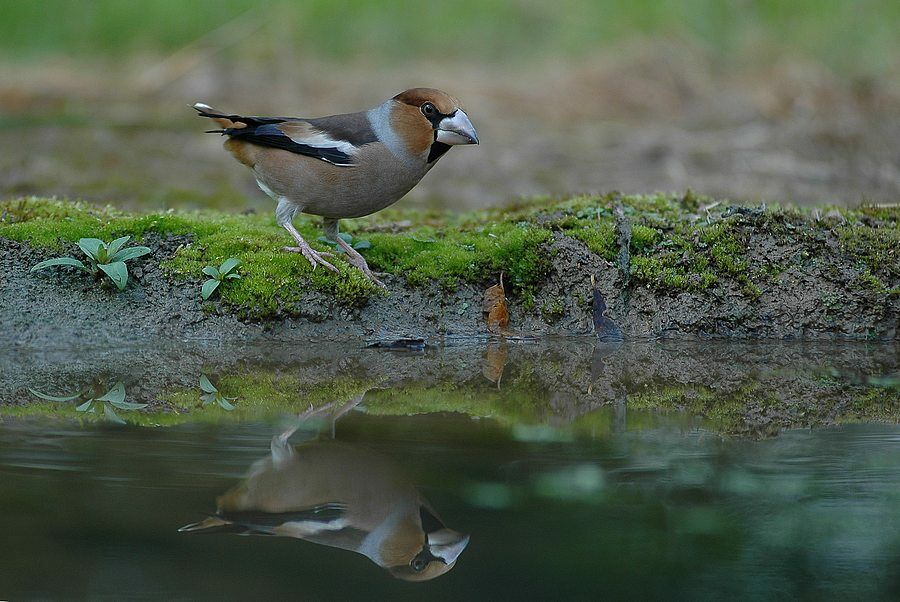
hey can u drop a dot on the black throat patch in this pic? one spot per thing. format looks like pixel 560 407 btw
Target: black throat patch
pixel 437 151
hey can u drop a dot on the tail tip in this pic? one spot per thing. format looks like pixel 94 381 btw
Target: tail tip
pixel 202 106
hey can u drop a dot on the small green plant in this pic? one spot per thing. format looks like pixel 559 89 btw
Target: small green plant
pixel 359 245
pixel 103 258
pixel 212 395
pixel 114 397
pixel 217 275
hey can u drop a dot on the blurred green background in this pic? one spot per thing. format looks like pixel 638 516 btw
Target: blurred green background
pixel 854 37
pixel 749 99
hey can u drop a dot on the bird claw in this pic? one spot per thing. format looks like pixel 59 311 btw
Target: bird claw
pixel 316 258
pixel 359 262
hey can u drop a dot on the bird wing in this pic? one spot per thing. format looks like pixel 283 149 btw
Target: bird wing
pixel 309 520
pixel 334 139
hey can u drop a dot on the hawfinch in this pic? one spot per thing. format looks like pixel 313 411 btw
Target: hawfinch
pixel 347 165
pixel 344 497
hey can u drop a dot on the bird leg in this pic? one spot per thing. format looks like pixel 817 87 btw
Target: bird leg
pixel 316 258
pixel 353 256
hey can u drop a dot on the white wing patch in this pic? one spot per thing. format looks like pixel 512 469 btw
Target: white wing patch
pixel 318 139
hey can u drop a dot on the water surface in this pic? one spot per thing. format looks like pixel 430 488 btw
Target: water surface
pixel 576 472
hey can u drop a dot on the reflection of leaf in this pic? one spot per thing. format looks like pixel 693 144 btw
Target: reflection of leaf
pixel 207 386
pixel 495 309
pixel 52 398
pixel 111 414
pixel 494 361
pixel 116 394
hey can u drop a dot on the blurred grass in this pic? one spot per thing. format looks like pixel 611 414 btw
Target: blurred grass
pixel 852 37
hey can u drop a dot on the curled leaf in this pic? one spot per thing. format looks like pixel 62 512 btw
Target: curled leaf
pixel 212 272
pixel 495 308
pixel 604 327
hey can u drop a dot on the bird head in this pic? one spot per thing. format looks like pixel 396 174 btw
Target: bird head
pixel 438 549
pixel 431 120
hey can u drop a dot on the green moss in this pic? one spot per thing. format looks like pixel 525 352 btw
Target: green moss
pixel 552 310
pixel 274 281
pixel 876 248
pixel 678 243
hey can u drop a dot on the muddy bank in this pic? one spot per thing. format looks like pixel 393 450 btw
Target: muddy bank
pixel 666 266
pixel 737 388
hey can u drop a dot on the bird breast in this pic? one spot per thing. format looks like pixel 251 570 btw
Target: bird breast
pixel 377 180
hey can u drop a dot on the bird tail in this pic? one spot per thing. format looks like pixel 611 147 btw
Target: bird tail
pixel 212 524
pixel 223 119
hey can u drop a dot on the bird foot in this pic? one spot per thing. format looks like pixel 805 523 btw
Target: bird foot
pixel 359 262
pixel 316 258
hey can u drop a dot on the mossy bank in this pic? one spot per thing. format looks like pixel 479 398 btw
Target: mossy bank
pixel 666 265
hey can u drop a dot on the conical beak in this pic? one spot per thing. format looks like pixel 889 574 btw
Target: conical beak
pixel 447 544
pixel 456 129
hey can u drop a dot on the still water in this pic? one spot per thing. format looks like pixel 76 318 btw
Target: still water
pixel 503 470
pixel 667 510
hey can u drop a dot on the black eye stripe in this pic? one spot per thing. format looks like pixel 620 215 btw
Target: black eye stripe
pixel 435 116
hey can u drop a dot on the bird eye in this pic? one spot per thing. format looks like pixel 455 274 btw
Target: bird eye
pixel 428 109
pixel 418 564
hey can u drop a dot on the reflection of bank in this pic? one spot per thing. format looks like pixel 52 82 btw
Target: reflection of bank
pixel 342 496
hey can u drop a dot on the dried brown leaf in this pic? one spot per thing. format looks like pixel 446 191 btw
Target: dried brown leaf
pixel 495 308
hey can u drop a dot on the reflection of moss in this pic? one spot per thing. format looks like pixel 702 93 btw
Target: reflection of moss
pixel 262 392
pixel 508 404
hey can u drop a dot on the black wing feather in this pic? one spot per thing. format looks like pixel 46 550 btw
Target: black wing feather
pixel 268 134
pixel 258 519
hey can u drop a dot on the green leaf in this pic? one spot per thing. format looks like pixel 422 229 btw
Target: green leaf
pixel 224 403
pixel 117 272
pixel 113 247
pixel 52 398
pixel 208 398
pixel 212 272
pixel 127 405
pixel 208 288
pixel 116 394
pixel 326 241
pixel 362 244
pixel 345 237
pixel 85 406
pixel 111 415
pixel 206 386
pixel 91 246
pixel 233 276
pixel 60 261
pixel 130 253
pixel 229 264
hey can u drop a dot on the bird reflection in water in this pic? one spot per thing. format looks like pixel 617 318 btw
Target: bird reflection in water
pixel 342 496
